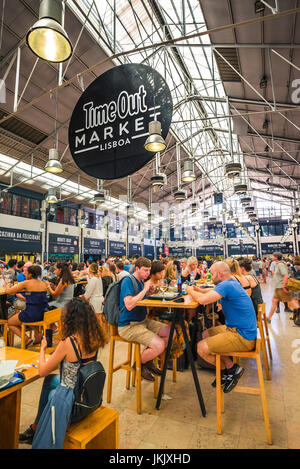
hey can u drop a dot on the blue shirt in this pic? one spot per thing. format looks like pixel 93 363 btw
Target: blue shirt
pixel 238 308
pixel 127 267
pixel 21 277
pixel 138 313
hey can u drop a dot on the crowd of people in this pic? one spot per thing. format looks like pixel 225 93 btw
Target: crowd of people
pixel 235 287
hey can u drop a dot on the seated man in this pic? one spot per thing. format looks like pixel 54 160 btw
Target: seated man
pixel 239 332
pixel 133 325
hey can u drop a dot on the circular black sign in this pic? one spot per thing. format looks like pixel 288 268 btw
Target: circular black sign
pixel 109 124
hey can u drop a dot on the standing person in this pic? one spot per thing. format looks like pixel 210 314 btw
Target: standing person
pixel 120 270
pixel 112 269
pixel 22 275
pixel 132 267
pixel 240 329
pixel 264 271
pixel 255 265
pixel 64 290
pixel 94 289
pixel 133 325
pixel 20 266
pixel 280 279
pixel 79 323
pixel 36 302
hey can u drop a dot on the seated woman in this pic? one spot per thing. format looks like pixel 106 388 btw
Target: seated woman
pixel 82 271
pixel 64 290
pixel 256 295
pixel 157 273
pixel 35 293
pixel 190 272
pixel 237 274
pixel 170 274
pixel 94 289
pixel 80 323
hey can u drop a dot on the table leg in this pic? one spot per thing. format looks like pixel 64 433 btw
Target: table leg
pixel 163 376
pixel 10 407
pixel 191 359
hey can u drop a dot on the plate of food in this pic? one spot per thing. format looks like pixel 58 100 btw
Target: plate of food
pixel 168 296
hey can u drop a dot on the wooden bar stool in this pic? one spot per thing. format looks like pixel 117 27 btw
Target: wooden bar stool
pixel 50 317
pixel 126 365
pixel 246 390
pixel 264 332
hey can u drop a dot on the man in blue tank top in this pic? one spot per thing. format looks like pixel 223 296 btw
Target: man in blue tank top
pixel 240 329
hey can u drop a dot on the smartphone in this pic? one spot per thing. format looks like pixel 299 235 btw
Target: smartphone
pixel 49 335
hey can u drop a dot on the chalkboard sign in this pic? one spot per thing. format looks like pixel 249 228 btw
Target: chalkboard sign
pixel 109 124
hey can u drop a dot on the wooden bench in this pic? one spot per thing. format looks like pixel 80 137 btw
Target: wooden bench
pixel 99 430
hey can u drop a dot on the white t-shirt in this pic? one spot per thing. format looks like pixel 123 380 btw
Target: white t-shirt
pixel 94 293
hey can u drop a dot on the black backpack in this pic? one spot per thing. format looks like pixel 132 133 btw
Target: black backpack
pixel 88 389
pixel 111 309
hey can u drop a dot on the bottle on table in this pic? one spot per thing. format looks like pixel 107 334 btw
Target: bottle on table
pixel 179 285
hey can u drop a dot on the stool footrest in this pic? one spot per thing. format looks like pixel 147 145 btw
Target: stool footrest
pixel 246 390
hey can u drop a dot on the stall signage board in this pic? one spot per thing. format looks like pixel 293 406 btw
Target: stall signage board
pixel 94 246
pixel 269 248
pixel 149 252
pixel 237 249
pixel 209 251
pixel 109 124
pixel 180 251
pixel 15 240
pixel 62 244
pixel 117 248
pixel 135 249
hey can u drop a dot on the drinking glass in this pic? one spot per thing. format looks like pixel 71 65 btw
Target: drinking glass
pixel 164 287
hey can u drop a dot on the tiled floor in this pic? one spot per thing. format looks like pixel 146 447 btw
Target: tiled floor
pixel 179 424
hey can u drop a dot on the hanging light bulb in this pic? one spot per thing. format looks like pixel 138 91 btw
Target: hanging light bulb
pixel 53 165
pixel 155 142
pixel 188 174
pixel 51 197
pixel 47 38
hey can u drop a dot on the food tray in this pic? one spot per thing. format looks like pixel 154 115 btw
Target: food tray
pixel 159 296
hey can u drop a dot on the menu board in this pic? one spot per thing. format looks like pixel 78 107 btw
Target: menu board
pixel 117 248
pixel 135 249
pixel 94 246
pixel 149 252
pixel 63 244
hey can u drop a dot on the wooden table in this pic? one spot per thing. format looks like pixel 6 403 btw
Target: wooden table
pixel 177 317
pixel 10 398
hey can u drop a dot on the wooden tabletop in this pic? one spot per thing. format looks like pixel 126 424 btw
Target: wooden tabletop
pixel 188 303
pixel 23 357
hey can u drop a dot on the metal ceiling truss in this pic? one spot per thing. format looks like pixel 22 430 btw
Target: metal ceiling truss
pixel 157 46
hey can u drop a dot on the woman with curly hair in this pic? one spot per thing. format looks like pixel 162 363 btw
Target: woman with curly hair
pixel 79 322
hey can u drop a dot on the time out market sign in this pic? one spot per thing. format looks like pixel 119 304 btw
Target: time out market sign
pixel 109 124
